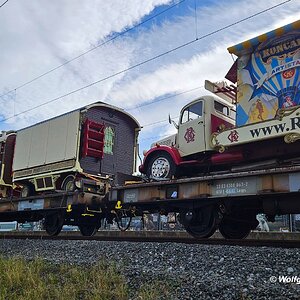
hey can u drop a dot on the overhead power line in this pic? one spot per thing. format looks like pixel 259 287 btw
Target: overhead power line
pixel 100 80
pixel 92 49
pixel 154 137
pixel 149 60
pixel 162 99
pixel 158 122
pixel 3 3
pixel 165 98
pixel 155 123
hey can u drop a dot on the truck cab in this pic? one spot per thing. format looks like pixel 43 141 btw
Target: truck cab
pixel 192 142
pixel 198 120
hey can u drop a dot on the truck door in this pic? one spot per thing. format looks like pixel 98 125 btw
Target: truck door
pixel 191 131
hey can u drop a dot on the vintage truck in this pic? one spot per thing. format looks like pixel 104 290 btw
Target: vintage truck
pixel 255 125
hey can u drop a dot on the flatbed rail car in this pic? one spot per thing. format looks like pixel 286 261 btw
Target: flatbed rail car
pixel 228 202
pixel 83 209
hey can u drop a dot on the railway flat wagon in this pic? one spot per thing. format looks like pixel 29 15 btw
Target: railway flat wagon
pixel 227 201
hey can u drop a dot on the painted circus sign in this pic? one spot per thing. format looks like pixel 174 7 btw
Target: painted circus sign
pixel 268 74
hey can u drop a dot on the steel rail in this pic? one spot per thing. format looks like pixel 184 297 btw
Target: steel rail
pixel 278 240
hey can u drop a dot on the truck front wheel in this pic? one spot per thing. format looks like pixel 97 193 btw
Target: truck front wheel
pixel 161 165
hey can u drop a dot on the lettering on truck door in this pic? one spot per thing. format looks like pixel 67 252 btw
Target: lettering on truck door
pixel 191 137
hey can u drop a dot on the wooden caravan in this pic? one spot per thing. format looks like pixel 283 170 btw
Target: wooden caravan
pixel 77 149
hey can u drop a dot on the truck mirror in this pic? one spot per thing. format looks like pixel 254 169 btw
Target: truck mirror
pixel 173 122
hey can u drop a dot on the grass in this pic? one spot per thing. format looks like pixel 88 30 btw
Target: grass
pixel 37 279
pixel 155 291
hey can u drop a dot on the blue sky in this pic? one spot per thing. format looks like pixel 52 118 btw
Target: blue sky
pixel 39 35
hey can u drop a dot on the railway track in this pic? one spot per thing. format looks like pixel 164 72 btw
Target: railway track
pixel 255 239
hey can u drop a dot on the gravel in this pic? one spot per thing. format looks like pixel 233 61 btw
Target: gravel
pixel 188 271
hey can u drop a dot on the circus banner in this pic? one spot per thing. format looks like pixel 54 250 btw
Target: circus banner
pixel 268 78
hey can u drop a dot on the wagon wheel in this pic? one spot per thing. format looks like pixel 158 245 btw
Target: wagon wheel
pixel 88 229
pixel 123 219
pixel 54 223
pixel 233 229
pixel 202 222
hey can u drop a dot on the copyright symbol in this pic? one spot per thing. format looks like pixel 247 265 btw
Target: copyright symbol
pixel 273 279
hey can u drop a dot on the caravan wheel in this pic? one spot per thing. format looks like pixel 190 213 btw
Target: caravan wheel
pixel 68 184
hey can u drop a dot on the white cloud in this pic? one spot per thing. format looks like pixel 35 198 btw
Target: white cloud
pixel 174 78
pixel 205 59
pixel 188 68
pixel 40 34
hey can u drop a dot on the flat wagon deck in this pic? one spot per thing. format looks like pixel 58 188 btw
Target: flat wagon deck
pixel 228 201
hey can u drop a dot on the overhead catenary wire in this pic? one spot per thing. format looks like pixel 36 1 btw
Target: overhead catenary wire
pixel 158 122
pixel 154 123
pixel 91 49
pixel 166 120
pixel 154 137
pixel 165 98
pixel 148 60
pixel 3 3
pixel 162 99
pixel 98 81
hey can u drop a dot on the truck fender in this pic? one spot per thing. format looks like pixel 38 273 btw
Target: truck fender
pixel 173 152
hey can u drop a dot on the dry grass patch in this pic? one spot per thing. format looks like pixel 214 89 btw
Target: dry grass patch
pixel 37 279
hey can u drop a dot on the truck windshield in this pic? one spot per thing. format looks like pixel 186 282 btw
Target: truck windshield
pixel 192 112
